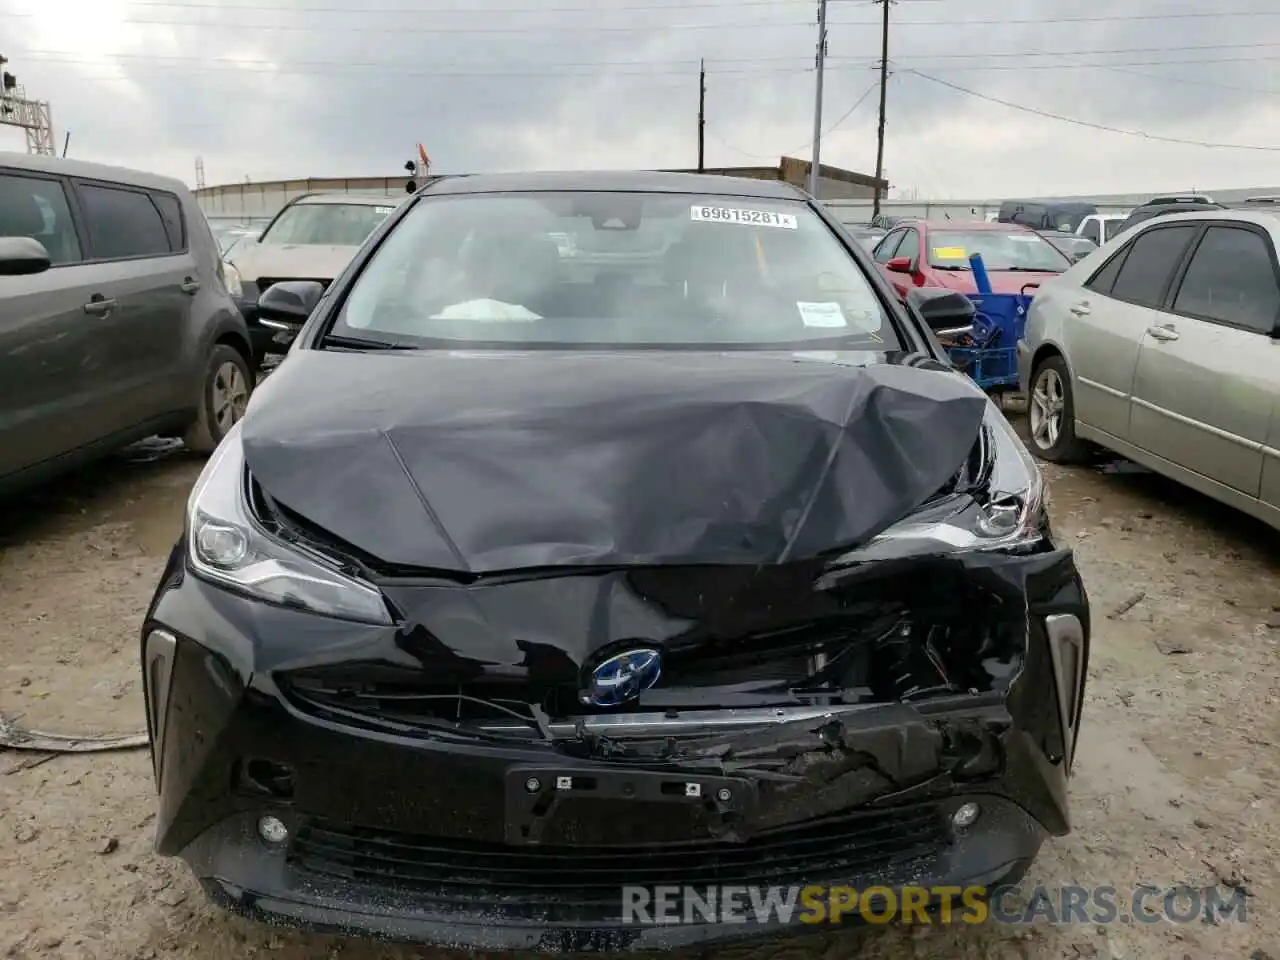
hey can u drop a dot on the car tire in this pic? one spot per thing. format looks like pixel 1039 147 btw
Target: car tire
pixel 224 395
pixel 1051 413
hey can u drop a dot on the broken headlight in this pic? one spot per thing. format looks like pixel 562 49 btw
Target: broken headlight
pixel 228 547
pixel 1007 511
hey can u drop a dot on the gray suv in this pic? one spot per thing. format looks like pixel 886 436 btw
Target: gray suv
pixel 115 319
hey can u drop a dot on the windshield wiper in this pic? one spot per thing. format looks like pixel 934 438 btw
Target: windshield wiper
pixel 1025 269
pixel 947 266
pixel 359 343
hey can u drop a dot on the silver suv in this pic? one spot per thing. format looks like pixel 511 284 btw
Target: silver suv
pixel 115 319
pixel 313 237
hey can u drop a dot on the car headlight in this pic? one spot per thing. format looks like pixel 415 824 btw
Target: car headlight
pixel 232 277
pixel 1009 515
pixel 227 546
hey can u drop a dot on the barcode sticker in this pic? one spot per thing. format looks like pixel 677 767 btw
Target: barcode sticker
pixel 750 218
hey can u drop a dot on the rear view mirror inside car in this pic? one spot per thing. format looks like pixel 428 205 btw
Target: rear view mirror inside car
pixel 22 256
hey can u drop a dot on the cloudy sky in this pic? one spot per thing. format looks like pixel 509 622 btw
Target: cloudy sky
pixel 268 89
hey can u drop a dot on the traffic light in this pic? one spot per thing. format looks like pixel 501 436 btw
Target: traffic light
pixel 411 186
pixel 10 81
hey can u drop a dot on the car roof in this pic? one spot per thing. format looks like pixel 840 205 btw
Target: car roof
pixel 637 181
pixel 60 166
pixel 368 199
pixel 1262 218
pixel 992 226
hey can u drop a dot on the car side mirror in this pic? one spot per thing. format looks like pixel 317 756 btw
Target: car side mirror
pixel 900 265
pixel 947 312
pixel 286 305
pixel 22 256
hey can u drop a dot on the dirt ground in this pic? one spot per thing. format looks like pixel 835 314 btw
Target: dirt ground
pixel 1175 775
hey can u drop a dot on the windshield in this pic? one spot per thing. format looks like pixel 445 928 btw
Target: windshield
pixel 1000 249
pixel 649 270
pixel 329 224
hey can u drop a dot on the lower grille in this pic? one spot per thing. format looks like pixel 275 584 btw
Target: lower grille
pixel 583 883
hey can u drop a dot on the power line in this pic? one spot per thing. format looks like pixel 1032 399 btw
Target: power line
pixel 71 56
pixel 701 4
pixel 1095 66
pixel 758 23
pixel 808 143
pixel 531 72
pixel 1036 21
pixel 1188 81
pixel 762 24
pixel 1090 124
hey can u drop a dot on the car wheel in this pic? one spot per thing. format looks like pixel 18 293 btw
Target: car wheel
pixel 1051 414
pixel 224 396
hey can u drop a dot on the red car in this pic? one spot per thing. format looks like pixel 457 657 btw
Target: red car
pixel 919 253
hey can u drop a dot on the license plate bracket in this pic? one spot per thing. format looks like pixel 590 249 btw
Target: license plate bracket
pixel 534 794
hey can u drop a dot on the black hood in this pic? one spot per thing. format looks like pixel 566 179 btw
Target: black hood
pixel 488 462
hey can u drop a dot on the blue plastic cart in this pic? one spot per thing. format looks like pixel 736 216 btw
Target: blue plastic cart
pixel 991 358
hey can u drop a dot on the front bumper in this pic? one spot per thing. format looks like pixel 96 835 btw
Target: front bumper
pixel 408 837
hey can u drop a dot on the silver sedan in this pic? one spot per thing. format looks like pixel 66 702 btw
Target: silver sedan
pixel 1161 346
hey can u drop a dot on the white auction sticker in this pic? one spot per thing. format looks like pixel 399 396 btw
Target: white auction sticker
pixel 750 218
pixel 821 314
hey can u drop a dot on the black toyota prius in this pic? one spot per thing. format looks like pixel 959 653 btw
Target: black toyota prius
pixel 605 531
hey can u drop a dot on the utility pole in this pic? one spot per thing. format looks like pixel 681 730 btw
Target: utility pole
pixel 702 114
pixel 819 59
pixel 884 83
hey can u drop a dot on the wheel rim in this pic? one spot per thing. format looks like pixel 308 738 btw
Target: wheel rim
pixel 1048 407
pixel 228 396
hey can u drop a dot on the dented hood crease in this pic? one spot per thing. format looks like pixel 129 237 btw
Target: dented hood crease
pixel 502 461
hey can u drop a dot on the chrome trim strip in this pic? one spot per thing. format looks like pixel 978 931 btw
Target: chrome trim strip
pixel 693 721
pixel 158 657
pixel 1253 445
pixel 1102 386
pixel 1064 629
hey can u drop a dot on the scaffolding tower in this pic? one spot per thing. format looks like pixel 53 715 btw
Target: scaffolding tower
pixel 33 116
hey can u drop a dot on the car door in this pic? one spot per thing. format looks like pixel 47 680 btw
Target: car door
pixel 1205 384
pixel 153 281
pixel 886 251
pixel 1111 314
pixel 1091 229
pixel 912 248
pixel 52 363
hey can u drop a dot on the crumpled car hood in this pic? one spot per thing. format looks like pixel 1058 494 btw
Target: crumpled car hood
pixel 490 462
pixel 293 261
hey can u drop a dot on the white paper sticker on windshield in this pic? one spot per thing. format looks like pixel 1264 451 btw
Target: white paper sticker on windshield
pixel 821 314
pixel 487 311
pixel 750 218
pixel 1023 238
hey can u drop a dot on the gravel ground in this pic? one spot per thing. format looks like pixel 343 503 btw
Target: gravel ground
pixel 1174 778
